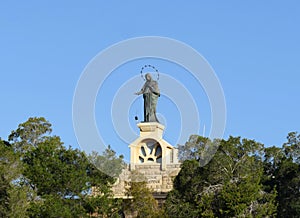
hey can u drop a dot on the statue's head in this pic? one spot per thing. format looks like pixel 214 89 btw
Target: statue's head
pixel 148 77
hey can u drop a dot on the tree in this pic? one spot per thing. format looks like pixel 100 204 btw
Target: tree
pixel 228 186
pixel 54 170
pixel 54 206
pixel 59 177
pixel 292 147
pixel 140 199
pixel 13 195
pixel 287 181
pixel 103 171
pixel 199 148
pixel 62 178
pixel 108 163
pixel 188 184
pixel 282 172
pixel 29 134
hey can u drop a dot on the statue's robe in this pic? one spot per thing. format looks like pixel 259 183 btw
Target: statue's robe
pixel 150 94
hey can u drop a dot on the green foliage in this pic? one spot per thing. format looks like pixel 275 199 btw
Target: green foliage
pixel 13 196
pixel 40 177
pixel 102 202
pixel 54 206
pixel 228 186
pixel 107 163
pixel 282 173
pixel 141 200
pixel 292 147
pixel 30 133
pixel 66 177
pixel 54 170
pixel 287 181
pixel 193 148
pixel 6 159
pixel 50 180
pixel 103 205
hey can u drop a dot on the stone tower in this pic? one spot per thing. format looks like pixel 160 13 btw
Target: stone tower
pixel 150 155
pixel 151 149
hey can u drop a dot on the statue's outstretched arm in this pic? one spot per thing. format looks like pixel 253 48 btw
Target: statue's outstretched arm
pixel 140 92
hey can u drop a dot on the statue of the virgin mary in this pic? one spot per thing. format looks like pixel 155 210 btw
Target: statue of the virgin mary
pixel 150 93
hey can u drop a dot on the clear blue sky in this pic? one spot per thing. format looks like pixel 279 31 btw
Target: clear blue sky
pixel 253 47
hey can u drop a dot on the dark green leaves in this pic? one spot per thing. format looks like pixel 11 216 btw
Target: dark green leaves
pixel 52 180
pixel 228 186
pixel 30 133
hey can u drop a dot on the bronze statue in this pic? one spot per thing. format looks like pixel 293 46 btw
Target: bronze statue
pixel 150 93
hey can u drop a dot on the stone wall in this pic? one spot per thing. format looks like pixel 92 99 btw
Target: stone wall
pixel 158 180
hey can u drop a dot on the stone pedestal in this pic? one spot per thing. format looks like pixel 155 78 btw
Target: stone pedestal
pixel 151 148
pixel 153 158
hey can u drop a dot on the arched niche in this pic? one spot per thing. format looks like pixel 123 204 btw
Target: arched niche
pixel 150 151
